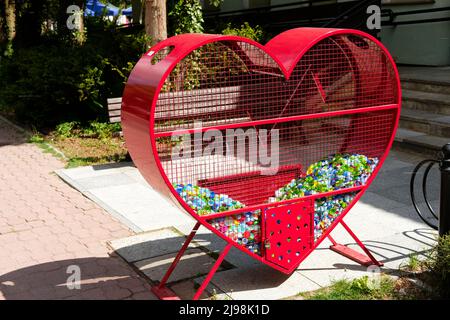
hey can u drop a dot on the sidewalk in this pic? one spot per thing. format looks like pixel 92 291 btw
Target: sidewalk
pixel 47 226
pixel 383 218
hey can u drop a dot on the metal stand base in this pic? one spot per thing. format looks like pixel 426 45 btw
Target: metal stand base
pixel 164 293
pixel 366 260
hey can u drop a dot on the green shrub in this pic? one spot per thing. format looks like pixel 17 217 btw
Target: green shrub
pixel 440 264
pixel 66 129
pixel 62 81
pixel 92 129
pixel 186 17
pixel 101 130
pixel 245 30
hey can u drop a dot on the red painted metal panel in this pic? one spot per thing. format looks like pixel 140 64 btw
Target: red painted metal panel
pixel 288 233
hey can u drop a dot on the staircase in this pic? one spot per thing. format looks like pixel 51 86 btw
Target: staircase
pixel 425 118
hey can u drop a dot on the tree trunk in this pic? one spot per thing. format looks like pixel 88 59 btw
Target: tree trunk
pixel 155 20
pixel 2 28
pixel 136 5
pixel 10 17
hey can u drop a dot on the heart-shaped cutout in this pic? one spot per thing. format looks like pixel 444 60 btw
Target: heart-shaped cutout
pixel 266 146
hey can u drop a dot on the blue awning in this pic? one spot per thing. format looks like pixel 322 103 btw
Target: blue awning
pixel 98 8
pixel 88 13
pixel 128 11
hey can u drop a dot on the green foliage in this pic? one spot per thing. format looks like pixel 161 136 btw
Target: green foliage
pixel 440 265
pixel 66 129
pixel 215 3
pixel 62 81
pixel 186 17
pixel 36 138
pixel 357 289
pixel 413 263
pixel 245 30
pixel 94 129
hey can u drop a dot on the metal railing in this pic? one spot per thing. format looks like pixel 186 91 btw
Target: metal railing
pixel 391 15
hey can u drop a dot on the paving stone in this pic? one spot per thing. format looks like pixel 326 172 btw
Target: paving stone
pixel 45 218
pixel 193 263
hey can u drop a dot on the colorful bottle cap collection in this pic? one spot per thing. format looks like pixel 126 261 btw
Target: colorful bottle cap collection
pixel 326 210
pixel 245 229
pixel 204 201
pixel 333 173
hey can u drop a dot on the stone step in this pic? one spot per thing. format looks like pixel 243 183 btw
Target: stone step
pixel 411 140
pixel 425 86
pixel 425 79
pixel 426 101
pixel 426 122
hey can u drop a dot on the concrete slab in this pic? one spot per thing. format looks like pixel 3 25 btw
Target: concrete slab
pixel 394 251
pixel 105 180
pixel 324 266
pixel 378 201
pixel 193 263
pixel 149 244
pixel 259 283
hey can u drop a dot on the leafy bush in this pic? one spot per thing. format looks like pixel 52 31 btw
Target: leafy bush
pixel 94 129
pixel 440 264
pixel 62 81
pixel 245 30
pixel 66 129
pixel 186 17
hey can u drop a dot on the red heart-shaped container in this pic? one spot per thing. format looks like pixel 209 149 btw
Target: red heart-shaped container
pixel 266 146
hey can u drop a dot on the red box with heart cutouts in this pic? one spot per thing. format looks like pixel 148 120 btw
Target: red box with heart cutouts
pixel 267 146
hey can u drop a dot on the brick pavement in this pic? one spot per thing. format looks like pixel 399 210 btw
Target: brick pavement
pixel 47 226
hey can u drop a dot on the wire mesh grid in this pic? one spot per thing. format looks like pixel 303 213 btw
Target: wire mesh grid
pixel 260 141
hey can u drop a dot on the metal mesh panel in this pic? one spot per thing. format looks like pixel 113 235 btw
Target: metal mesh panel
pixel 238 90
pixel 301 143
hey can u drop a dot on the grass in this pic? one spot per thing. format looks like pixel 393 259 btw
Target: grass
pixel 414 264
pixel 82 145
pixel 40 141
pixel 427 278
pixel 439 265
pixel 88 151
pixel 358 289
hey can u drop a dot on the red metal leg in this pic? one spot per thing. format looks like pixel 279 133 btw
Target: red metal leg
pixel 365 260
pixel 161 291
pixel 212 272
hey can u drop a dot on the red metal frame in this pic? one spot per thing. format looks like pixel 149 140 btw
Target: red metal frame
pixel 164 293
pixel 374 100
pixel 365 260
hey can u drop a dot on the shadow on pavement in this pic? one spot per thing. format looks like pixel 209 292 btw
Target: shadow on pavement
pixel 100 278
